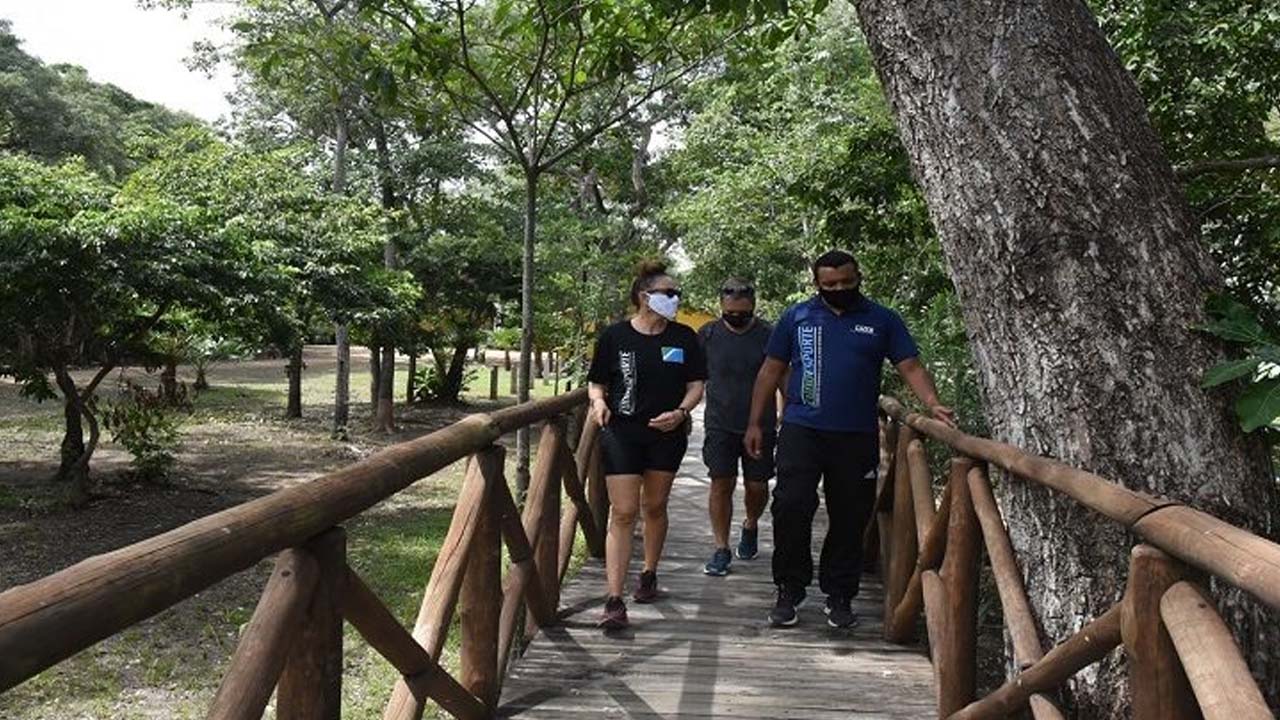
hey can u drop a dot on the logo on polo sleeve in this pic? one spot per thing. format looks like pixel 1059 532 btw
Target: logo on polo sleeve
pixel 673 355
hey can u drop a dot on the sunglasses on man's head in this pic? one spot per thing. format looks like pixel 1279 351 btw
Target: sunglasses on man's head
pixel 669 292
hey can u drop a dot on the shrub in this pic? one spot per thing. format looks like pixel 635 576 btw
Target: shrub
pixel 147 425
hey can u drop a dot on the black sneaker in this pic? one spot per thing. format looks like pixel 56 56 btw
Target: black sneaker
pixel 615 614
pixel 647 592
pixel 784 609
pixel 839 613
pixel 749 543
pixel 719 563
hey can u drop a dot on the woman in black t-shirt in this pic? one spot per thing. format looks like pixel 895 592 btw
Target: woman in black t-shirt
pixel 646 376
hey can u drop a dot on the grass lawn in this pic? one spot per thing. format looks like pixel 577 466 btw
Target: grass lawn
pixel 236 447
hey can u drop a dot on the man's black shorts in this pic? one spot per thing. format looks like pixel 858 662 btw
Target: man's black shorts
pixel 722 451
pixel 630 448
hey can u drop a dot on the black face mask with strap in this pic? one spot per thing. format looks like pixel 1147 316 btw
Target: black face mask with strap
pixel 738 320
pixel 841 300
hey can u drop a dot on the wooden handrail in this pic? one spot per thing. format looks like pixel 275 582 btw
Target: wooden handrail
pixel 1241 558
pixel 54 617
pixel 1157 604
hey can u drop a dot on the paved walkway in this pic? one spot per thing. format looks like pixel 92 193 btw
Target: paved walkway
pixel 705 649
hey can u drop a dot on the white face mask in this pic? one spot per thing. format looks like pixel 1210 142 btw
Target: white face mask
pixel 663 305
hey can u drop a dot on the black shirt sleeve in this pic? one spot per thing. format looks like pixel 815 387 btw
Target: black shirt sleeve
pixel 599 371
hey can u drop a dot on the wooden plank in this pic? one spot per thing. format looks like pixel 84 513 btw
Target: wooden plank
pixel 958 657
pixel 705 649
pixel 903 548
pixel 1223 686
pixel 542 513
pixel 310 686
pixel 49 619
pixel 900 627
pixel 1158 687
pixel 266 640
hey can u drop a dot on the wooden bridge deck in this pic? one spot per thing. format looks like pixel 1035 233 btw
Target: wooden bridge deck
pixel 706 650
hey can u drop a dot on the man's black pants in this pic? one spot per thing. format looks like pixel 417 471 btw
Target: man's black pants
pixel 846 463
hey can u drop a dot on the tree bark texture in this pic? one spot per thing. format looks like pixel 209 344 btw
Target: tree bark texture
pixel 375 370
pixel 410 387
pixel 169 380
pixel 342 381
pixel 1080 273
pixel 293 408
pixel 526 323
pixel 342 384
pixel 73 468
pixel 386 419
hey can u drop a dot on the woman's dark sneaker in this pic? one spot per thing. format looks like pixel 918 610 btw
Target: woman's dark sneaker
pixel 839 613
pixel 647 592
pixel 784 609
pixel 615 614
pixel 749 543
pixel 719 563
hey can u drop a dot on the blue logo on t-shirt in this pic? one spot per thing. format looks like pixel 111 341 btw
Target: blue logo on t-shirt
pixel 673 355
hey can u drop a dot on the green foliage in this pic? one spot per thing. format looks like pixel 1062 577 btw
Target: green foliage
pixel 430 384
pixel 1209 71
pixel 1258 405
pixel 55 112
pixel 503 338
pixel 149 426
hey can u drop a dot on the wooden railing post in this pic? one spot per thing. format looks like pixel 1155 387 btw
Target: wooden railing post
pixel 431 630
pixel 1158 686
pixel 903 544
pixel 493 383
pixel 542 508
pixel 264 646
pixel 311 685
pixel 953 633
pixel 480 602
pixel 882 519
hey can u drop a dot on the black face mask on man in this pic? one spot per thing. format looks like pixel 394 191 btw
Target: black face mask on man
pixel 738 319
pixel 842 299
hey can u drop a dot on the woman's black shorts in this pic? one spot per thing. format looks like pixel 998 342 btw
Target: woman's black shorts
pixel 630 448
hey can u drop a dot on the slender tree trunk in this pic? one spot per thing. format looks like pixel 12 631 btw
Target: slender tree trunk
pixel 342 385
pixel 169 380
pixel 202 379
pixel 386 420
pixel 457 373
pixel 293 408
pixel 1081 274
pixel 539 367
pixel 342 342
pixel 73 468
pixel 375 372
pixel 385 401
pixel 410 382
pixel 526 323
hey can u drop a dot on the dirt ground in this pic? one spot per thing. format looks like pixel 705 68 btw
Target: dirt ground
pixel 236 446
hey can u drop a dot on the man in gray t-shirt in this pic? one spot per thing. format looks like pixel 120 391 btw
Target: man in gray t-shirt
pixel 734 345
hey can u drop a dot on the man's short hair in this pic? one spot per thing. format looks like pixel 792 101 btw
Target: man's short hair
pixel 834 259
pixel 736 287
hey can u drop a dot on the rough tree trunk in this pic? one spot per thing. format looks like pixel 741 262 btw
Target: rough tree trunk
pixel 385 399
pixel 1080 273
pixel 526 324
pixel 202 378
pixel 539 365
pixel 293 408
pixel 457 373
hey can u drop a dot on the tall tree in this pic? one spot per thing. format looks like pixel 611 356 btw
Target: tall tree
pixel 541 79
pixel 1081 276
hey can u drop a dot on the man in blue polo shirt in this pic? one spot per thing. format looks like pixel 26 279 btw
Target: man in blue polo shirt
pixel 835 345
